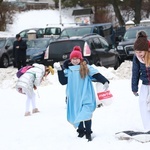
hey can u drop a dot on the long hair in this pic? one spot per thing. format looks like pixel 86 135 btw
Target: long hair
pixel 147 58
pixel 83 69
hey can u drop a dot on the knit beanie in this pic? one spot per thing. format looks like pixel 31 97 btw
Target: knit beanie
pixel 76 52
pixel 141 43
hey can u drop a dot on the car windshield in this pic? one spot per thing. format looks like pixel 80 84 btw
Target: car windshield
pixel 131 34
pixel 2 43
pixel 70 32
pixel 38 43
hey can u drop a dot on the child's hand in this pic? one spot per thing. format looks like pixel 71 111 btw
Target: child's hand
pixel 57 66
pixel 106 86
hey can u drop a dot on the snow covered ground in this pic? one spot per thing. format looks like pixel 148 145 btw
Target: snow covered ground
pixel 49 129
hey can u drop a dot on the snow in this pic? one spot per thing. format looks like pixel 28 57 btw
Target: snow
pixel 49 129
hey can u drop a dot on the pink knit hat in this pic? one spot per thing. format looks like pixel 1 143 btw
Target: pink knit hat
pixel 76 52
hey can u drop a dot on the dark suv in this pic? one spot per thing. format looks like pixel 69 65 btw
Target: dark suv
pixel 6 51
pixel 94 47
pixel 125 47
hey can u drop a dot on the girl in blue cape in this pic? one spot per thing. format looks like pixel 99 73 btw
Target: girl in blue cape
pixel 81 100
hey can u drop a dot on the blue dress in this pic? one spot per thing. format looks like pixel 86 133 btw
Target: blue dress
pixel 81 101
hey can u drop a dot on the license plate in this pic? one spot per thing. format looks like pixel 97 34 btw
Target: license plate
pixel 131 52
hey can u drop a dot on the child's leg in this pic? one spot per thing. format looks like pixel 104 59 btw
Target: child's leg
pixel 88 125
pixel 88 129
pixel 81 130
pixel 27 108
pixel 145 114
pixel 33 102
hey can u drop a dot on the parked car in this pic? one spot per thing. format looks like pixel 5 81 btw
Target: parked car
pixel 104 29
pixel 94 47
pixel 6 51
pixel 39 32
pixel 125 47
pixel 36 49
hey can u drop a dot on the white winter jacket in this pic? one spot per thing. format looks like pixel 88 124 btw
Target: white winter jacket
pixel 31 77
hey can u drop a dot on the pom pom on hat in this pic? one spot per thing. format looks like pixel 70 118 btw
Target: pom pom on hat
pixel 141 43
pixel 76 52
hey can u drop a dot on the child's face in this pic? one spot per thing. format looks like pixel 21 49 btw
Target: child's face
pixel 75 61
pixel 140 54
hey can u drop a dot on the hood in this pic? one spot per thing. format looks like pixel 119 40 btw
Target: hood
pixel 127 42
pixel 33 51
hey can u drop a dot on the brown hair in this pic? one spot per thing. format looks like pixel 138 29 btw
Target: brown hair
pixel 83 69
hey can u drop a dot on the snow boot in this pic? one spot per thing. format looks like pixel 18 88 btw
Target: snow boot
pixel 88 136
pixel 35 110
pixel 81 133
pixel 27 114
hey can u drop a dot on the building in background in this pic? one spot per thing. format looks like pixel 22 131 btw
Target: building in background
pixel 84 16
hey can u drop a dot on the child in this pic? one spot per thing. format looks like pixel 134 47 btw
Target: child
pixel 29 81
pixel 141 70
pixel 81 100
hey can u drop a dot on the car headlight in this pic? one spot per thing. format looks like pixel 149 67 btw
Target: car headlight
pixel 120 47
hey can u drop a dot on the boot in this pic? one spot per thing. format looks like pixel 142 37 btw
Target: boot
pixel 81 133
pixel 35 110
pixel 88 136
pixel 27 114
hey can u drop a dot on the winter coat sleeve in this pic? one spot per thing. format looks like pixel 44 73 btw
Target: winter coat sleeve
pixel 100 78
pixel 135 74
pixel 61 77
pixel 94 73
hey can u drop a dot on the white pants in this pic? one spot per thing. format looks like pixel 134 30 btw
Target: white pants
pixel 30 99
pixel 144 97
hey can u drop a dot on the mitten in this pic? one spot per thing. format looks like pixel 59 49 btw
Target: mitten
pixel 51 70
pixel 106 86
pixel 57 66
pixel 135 93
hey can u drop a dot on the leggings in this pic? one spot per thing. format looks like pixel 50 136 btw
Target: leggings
pixel 30 99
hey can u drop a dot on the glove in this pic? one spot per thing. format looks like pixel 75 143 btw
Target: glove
pixel 57 66
pixel 135 93
pixel 106 86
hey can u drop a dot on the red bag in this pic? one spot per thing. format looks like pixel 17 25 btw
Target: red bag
pixel 103 97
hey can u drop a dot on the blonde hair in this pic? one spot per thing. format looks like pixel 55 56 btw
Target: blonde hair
pixel 83 69
pixel 147 58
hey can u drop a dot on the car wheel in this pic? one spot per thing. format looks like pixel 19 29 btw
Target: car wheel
pixel 4 62
pixel 117 63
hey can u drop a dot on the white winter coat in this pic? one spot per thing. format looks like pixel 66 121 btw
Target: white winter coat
pixel 31 77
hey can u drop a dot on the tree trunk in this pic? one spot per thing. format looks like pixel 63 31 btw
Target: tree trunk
pixel 138 5
pixel 117 13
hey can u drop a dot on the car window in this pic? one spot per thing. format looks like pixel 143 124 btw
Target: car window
pixel 40 33
pixel 24 34
pixel 97 42
pixel 2 43
pixel 131 34
pixel 104 43
pixel 90 43
pixel 52 30
pixel 37 43
pixel 64 47
pixel 9 42
pixel 95 30
pixel 70 32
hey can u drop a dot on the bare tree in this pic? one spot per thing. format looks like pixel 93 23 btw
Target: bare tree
pixel 6 14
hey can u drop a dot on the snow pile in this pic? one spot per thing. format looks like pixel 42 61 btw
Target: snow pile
pixel 8 75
